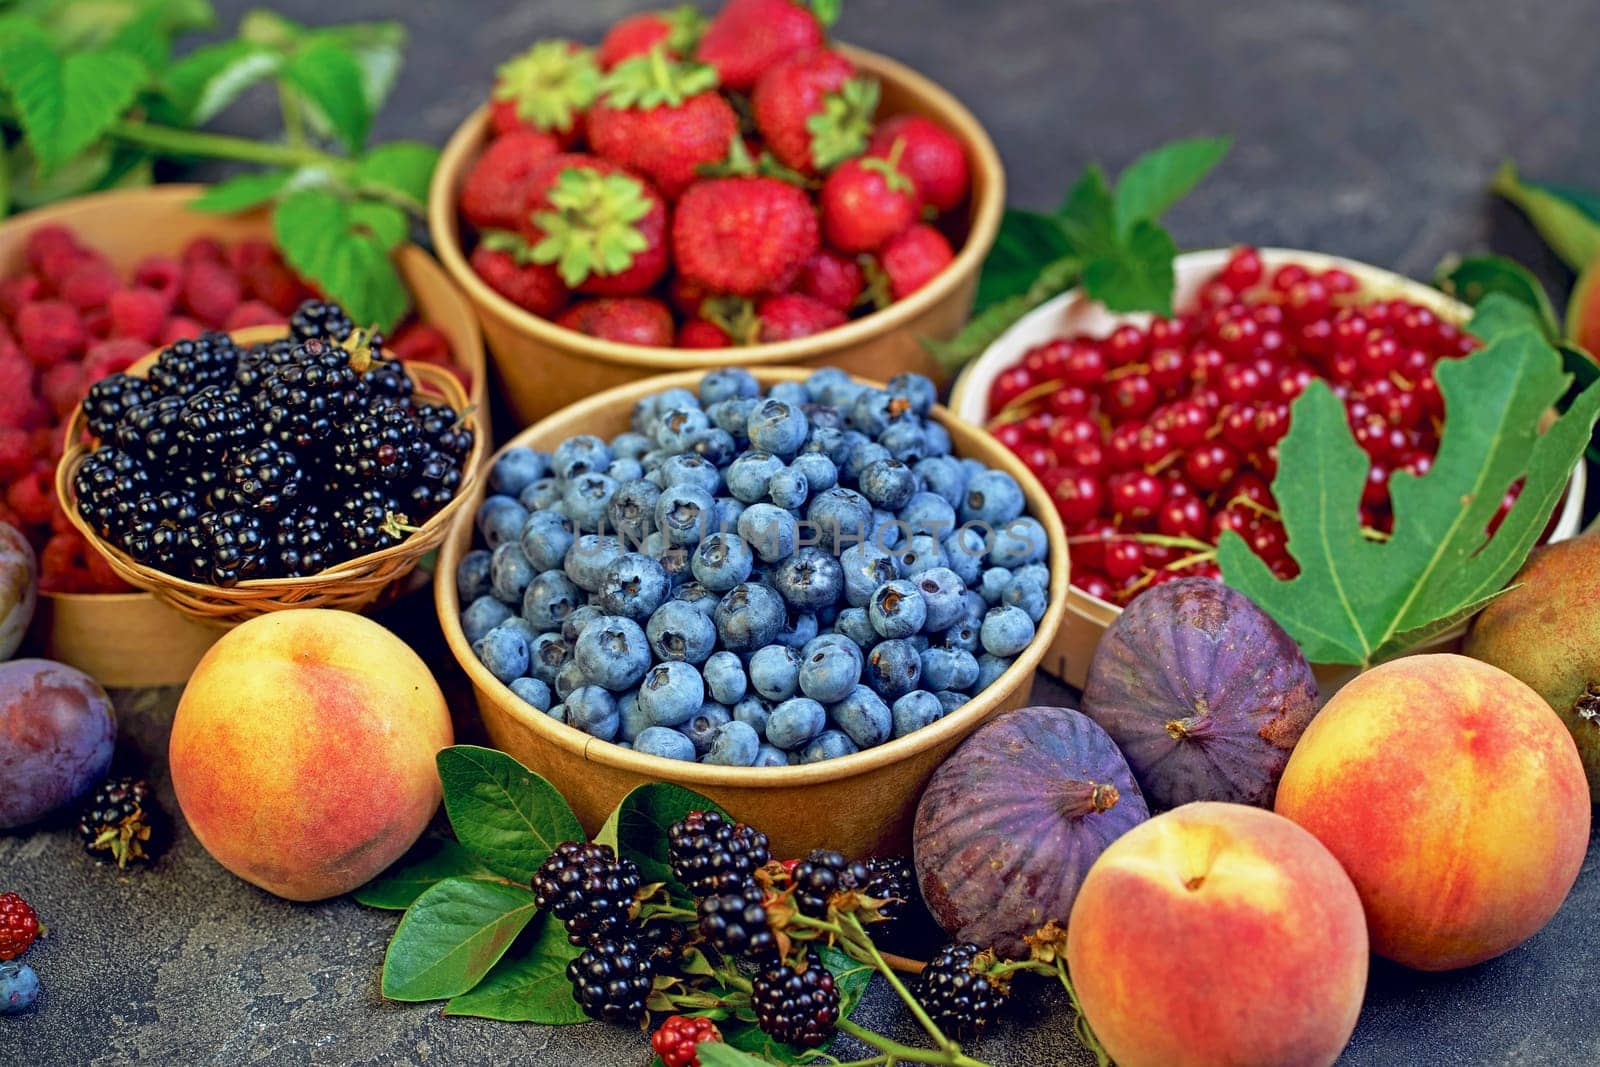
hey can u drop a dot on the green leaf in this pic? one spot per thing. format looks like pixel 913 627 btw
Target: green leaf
pixel 1585 200
pixel 319 238
pixel 243 192
pixel 1026 243
pixel 1155 181
pixel 1585 373
pixel 637 828
pixel 97 88
pixel 503 813
pixel 5 184
pixel 31 72
pixel 1498 314
pixel 1359 601
pixel 528 985
pixel 1567 227
pixel 1087 216
pixel 432 861
pixel 1138 276
pixel 1472 279
pixel 378 49
pixel 827 11
pixel 328 77
pixel 207 80
pixel 31 188
pixel 386 223
pixel 404 167
pixel 723 1054
pixel 451 936
pixel 984 329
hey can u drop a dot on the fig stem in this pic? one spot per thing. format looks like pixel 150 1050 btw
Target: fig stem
pixel 1081 798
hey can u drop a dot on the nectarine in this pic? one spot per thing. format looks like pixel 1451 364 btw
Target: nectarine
pixel 303 751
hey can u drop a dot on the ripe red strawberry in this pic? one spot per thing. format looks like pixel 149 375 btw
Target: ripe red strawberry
pixel 602 227
pixel 931 156
pixel 663 119
pixel 496 187
pixel 50 331
pixel 698 333
pixel 678 29
pixel 629 320
pixel 813 111
pixel 743 235
pixel 748 36
pixel 19 926
pixel 834 279
pixel 546 88
pixel 535 287
pixel 211 290
pixel 678 1039
pixel 790 315
pixel 866 201
pixel 911 259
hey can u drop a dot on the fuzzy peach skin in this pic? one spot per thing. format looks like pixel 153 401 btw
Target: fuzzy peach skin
pixel 303 751
pixel 1218 934
pixel 1455 799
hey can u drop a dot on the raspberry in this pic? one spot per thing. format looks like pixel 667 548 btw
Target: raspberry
pixel 18 292
pixel 797 1005
pixel 46 241
pixel 30 496
pixel 611 981
pixel 266 278
pixel 19 926
pixel 62 387
pixel 118 821
pixel 108 357
pixel 180 328
pixel 961 999
pixel 97 324
pixel 98 575
pixel 16 453
pixel 709 854
pixel 210 290
pixel 678 1039
pixel 204 250
pixel 421 343
pixel 49 332
pixel 19 407
pixel 90 285
pixel 159 274
pixel 252 313
pixel 588 888
pixel 821 875
pixel 138 313
pixel 735 923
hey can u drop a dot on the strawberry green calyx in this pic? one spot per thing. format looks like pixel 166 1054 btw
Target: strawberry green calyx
pixel 827 11
pixel 549 83
pixel 687 24
pixel 734 316
pixel 654 80
pixel 741 164
pixel 889 167
pixel 592 229
pixel 878 292
pixel 841 129
pixel 511 243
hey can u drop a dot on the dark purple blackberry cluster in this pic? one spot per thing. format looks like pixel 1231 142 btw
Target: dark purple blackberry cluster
pixel 735 923
pixel 120 822
pixel 822 874
pixel 798 1004
pixel 276 461
pixel 710 854
pixel 588 889
pixel 611 980
pixel 962 1000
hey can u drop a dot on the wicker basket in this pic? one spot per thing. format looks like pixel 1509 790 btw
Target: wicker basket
pixel 350 586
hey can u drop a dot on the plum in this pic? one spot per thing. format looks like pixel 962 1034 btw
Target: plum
pixel 19 574
pixel 57 731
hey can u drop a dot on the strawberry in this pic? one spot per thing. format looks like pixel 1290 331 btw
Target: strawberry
pixel 748 36
pixel 866 201
pixel 790 315
pixel 535 287
pixel 492 195
pixel 698 333
pixel 931 156
pixel 813 111
pixel 832 278
pixel 629 320
pixel 603 227
pixel 911 258
pixel 677 28
pixel 137 313
pixel 50 331
pixel 663 119
pixel 686 296
pixel 421 343
pixel 546 88
pixel 743 235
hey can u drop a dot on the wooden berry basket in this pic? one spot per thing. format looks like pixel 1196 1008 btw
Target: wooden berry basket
pixel 133 639
pixel 543 367
pixel 861 804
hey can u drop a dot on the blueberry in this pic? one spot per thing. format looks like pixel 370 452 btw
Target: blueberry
pixel 716 446
pixel 691 470
pixel 733 416
pixel 749 616
pixel 633 585
pixel 1019 542
pixel 728 513
pixel 770 531
pixel 613 652
pixel 893 668
pixel 863 456
pixel 500 519
pixel 542 494
pixel 517 468
pixel 550 598
pixel 1006 631
pixel 897 609
pixel 664 742
pixel 750 474
pixel 778 427
pixel 753 710
pixel 888 484
pixel 504 650
pixel 685 514
pixel 994 583
pixel 677 427
pixel 733 744
pixel 862 715
pixel 481 616
pixel 568 679
pixel 509 572
pixel 929 513
pixel 725 678
pixel 964 552
pixel 788 488
pixel 547 654
pixel 700 729
pixel 915 388
pixel 697 596
pixel 671 693
pixel 587 498
pixel 840 517
pixel 829 385
pixel 905 441
pixel 923 552
pixel 809 579
pixel 888 532
pixel 1029 596
pixel 770 756
pixel 992 497
pixel 19 988
pixel 832 444
pixel 1037 573
pixel 588 558
pixel 722 561
pixel 865 568
pixel 830 744
pixel 873 410
pixel 726 383
pixel 472 576
pixel 977 607
pixel 791 393
pixel 943 592
pixel 631 718
pixel 679 631
pixel 989 668
pixel 951 699
pixel 794 722
pixel 856 624
pixel 630 445
pixel 557 711
pixel 944 667
pixel 914 710
pixel 580 454
pixel 944 476
pixel 625 470
pixel 647 413
pixel 936 441
pixel 817 470
pixel 532 691
pixel 799 628
pixel 593 710
pixel 573 625
pixel 775 672
pixel 632 510
pixel 545 538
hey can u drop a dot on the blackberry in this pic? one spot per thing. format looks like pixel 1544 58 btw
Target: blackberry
pixel 257 363
pixel 150 432
pixel 303 400
pixel 188 366
pixel 264 477
pixel 112 397
pixel 709 854
pixel 735 923
pixel 120 821
pixel 663 940
pixel 163 507
pixel 174 550
pixel 108 483
pixel 303 544
pixel 388 377
pixel 434 484
pixel 797 1005
pixel 214 420
pixel 588 888
pixel 230 546
pixel 381 444
pixel 442 425
pixel 961 1000
pixel 319 318
pixel 611 980
pixel 822 874
pixel 894 879
pixel 366 520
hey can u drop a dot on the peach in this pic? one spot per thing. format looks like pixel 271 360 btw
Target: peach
pixel 1456 801
pixel 303 751
pixel 1218 933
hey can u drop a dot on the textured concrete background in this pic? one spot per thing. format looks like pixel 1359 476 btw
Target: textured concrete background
pixel 1364 129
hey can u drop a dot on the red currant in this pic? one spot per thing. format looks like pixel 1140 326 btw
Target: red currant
pixel 1130 396
pixel 1243 269
pixel 1288 276
pixel 1070 400
pixel 1340 282
pixel 1135 494
pixel 1239 337
pixel 1078 496
pixel 1036 457
pixel 1183 517
pixel 1085 455
pixel 1376 489
pixel 1211 465
pixel 1010 384
pixel 1240 381
pixel 1166 333
pixel 1085 364
pixel 1127 344
pixel 1379 356
pixel 1124 559
pixel 1036 427
pixel 1169 368
pixel 1089 541
pixel 1010 434
pixel 1308 300
pixel 1096 585
pixel 1046 362
pixel 1122 448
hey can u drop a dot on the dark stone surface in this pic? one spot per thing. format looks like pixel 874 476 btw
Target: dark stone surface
pixel 1365 129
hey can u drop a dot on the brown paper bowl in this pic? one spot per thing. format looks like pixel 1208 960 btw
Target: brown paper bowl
pixel 543 367
pixel 861 804
pixel 131 639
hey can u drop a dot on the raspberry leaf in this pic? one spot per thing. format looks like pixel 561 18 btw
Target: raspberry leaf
pixel 207 80
pixel 1137 276
pixel 243 192
pixel 592 229
pixel 1362 601
pixel 529 984
pixel 503 813
pixel 64 104
pixel 328 79
pixel 324 242
pixel 841 129
pixel 550 83
pixel 403 167
pixel 654 80
pixel 432 861
pixel 450 937
pixel 1569 224
pixel 637 830
pixel 1160 178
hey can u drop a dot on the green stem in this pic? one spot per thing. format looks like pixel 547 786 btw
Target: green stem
pixel 895 1052
pixel 178 142
pixel 1085 1033
pixel 857 934
pixel 294 123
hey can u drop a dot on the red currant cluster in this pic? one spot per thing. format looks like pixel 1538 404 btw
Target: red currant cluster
pixel 1153 441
